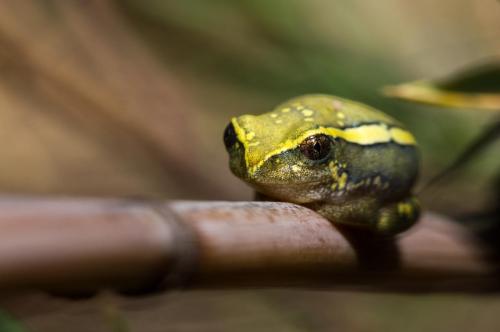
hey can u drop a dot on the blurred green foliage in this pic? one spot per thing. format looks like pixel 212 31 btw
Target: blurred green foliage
pixel 272 48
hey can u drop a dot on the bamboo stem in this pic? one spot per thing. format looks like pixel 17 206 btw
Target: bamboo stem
pixel 82 245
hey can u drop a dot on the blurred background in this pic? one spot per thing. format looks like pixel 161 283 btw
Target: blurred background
pixel 129 98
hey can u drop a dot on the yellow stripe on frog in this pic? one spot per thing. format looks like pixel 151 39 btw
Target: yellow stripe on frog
pixel 368 134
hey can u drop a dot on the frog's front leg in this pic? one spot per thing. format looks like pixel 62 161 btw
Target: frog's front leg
pixel 398 216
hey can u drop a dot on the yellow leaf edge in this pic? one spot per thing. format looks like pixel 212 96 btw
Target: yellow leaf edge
pixel 426 92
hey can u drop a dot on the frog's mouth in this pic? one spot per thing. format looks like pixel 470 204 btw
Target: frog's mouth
pixel 282 184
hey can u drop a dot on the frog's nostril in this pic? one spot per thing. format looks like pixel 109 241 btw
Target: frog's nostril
pixel 229 136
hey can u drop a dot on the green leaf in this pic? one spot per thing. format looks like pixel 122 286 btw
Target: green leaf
pixel 475 88
pixel 481 79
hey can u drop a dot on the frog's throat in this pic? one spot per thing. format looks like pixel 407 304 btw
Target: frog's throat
pixel 367 134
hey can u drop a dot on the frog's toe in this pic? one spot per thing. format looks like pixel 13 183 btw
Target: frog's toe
pixel 397 217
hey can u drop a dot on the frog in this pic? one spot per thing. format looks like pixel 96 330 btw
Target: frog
pixel 351 163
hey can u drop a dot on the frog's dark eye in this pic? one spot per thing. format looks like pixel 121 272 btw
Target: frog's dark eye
pixel 316 147
pixel 229 136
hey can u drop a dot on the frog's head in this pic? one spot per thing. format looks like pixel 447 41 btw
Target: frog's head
pixel 284 154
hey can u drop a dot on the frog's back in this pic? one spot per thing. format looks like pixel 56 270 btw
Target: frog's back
pixel 332 111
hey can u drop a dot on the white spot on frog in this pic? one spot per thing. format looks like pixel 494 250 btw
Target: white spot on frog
pixel 307 112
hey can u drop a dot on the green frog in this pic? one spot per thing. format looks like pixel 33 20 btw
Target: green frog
pixel 349 162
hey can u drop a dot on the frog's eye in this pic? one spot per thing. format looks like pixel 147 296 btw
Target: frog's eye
pixel 229 136
pixel 316 147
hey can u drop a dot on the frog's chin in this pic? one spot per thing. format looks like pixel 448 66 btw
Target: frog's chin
pixel 294 193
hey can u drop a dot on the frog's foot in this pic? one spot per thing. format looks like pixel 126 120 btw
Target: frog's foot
pixel 397 217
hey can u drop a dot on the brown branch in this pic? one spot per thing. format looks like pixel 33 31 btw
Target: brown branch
pixel 82 245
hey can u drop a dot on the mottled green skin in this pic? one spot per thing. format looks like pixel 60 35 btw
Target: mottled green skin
pixel 359 183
